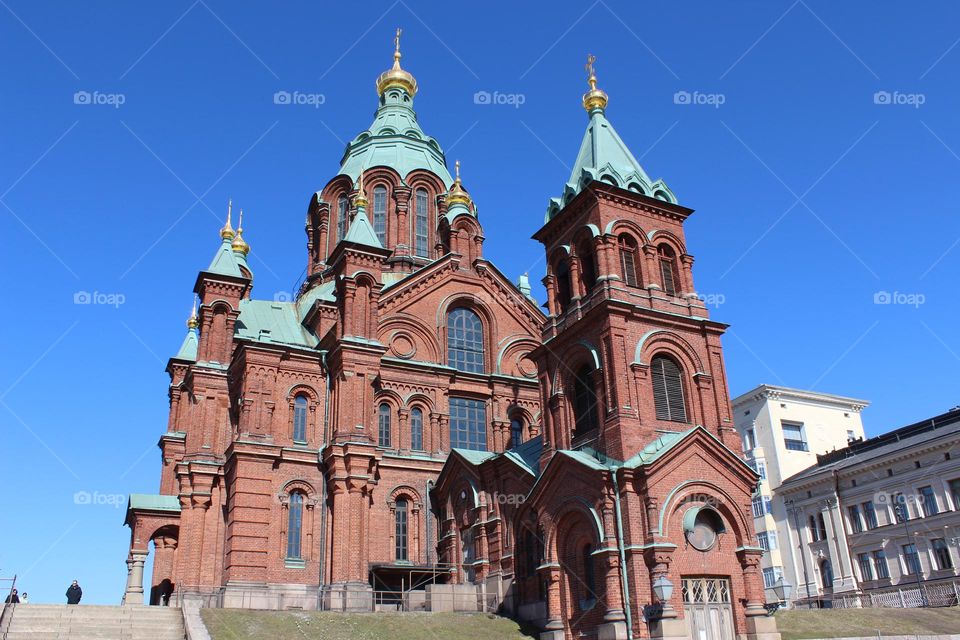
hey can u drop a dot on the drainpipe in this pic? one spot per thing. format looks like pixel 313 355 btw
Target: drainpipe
pixel 323 471
pixel 623 555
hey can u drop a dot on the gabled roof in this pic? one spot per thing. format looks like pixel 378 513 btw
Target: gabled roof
pixel 273 322
pixel 472 456
pixel 527 455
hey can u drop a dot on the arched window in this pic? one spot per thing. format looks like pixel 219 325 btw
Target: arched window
pixel 343 215
pixel 294 525
pixel 400 526
pixel 421 224
pixel 562 273
pixel 668 269
pixel 465 341
pixel 588 265
pixel 300 419
pixel 585 402
pixel 383 422
pixel 516 432
pixel 628 260
pixel 380 214
pixel 668 390
pixel 416 429
pixel 589 577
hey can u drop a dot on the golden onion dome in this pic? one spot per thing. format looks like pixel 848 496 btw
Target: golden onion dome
pixel 226 232
pixel 239 245
pixel 396 76
pixel 457 194
pixel 595 98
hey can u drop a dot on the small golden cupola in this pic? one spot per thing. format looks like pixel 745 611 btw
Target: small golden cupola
pixel 457 194
pixel 226 232
pixel 396 76
pixel 239 245
pixel 595 98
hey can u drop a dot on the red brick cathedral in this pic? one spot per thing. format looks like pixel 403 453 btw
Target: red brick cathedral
pixel 414 430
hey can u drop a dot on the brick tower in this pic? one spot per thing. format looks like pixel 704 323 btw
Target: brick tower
pixel 634 513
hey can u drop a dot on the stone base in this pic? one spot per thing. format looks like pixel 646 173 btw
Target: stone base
pixel 260 595
pixel 348 596
pixel 762 628
pixel 553 635
pixel 668 629
pixel 612 631
pixel 453 597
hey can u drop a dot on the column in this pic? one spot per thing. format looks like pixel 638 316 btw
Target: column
pixel 752 581
pixel 134 592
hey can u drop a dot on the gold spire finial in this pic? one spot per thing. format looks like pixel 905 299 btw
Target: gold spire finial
pixel 239 244
pixel 457 194
pixel 192 322
pixel 595 98
pixel 226 232
pixel 360 200
pixel 396 76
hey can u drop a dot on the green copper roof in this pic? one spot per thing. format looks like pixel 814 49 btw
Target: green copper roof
pixel 395 140
pixel 361 231
pixel 188 350
pixel 527 455
pixel 604 156
pixel 657 448
pixel 273 322
pixel 152 502
pixel 225 261
pixel 472 456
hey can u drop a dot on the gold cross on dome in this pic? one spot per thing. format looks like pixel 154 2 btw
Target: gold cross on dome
pixel 591 75
pixel 396 39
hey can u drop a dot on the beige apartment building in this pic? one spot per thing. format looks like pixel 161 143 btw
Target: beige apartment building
pixel 881 514
pixel 782 431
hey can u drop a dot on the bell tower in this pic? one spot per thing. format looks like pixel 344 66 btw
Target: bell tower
pixel 621 299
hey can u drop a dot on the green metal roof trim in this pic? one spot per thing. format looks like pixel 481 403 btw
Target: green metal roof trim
pixel 153 502
pixel 395 140
pixel 225 261
pixel 273 322
pixel 527 454
pixel 472 456
pixel 657 448
pixel 604 156
pixel 188 350
pixel 325 292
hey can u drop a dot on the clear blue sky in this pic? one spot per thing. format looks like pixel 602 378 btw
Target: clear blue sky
pixel 810 196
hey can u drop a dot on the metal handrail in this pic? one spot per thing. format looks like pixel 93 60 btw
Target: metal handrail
pixel 6 613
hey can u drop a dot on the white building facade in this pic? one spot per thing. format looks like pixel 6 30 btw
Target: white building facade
pixel 782 431
pixel 880 514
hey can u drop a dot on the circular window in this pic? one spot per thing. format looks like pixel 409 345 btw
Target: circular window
pixel 703 532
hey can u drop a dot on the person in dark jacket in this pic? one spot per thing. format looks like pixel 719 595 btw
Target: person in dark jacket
pixel 13 598
pixel 74 593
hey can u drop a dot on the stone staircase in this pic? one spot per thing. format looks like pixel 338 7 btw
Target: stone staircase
pixel 90 622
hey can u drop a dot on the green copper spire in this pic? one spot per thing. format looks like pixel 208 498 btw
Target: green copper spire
pixel 395 138
pixel 188 350
pixel 361 231
pixel 604 156
pixel 225 260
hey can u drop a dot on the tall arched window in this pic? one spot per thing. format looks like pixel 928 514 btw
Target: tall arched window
pixel 416 429
pixel 400 529
pixel 668 269
pixel 464 341
pixel 380 214
pixel 294 525
pixel 383 423
pixel 562 273
pixel 589 576
pixel 585 402
pixel 343 215
pixel 588 264
pixel 300 419
pixel 628 260
pixel 516 431
pixel 668 389
pixel 421 224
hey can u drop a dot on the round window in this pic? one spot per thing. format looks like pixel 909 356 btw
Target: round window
pixel 705 529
